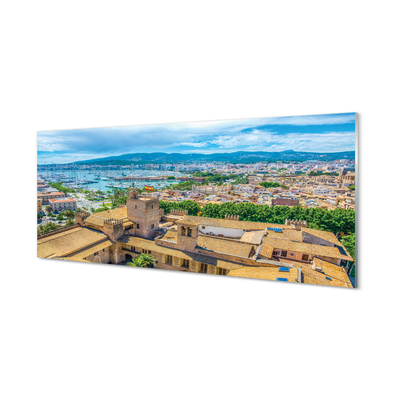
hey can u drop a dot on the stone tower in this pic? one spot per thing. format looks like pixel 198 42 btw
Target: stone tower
pixel 145 213
pixel 187 235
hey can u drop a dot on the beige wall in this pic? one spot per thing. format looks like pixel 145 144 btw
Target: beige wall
pixel 146 214
pixel 102 256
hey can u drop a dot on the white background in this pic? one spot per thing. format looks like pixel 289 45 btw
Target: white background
pixel 81 331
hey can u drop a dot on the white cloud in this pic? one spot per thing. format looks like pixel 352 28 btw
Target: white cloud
pixel 194 144
pixel 211 136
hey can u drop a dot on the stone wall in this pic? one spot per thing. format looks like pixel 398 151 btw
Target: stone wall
pixel 145 212
pixel 80 217
pixel 187 236
pixel 102 256
pixel 113 228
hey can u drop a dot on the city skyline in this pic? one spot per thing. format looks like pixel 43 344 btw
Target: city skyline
pixel 312 133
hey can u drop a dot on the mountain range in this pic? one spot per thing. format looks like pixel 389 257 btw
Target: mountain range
pixel 236 157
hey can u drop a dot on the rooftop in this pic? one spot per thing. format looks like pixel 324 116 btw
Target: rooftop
pixel 331 274
pixel 42 194
pixel 61 199
pixel 269 273
pixel 221 245
pixel 97 219
pixel 67 242
pixel 152 246
pixel 307 248
pixel 227 223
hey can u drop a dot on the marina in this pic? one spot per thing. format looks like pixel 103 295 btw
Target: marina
pixel 107 180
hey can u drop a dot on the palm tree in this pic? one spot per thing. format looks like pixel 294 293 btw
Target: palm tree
pixel 142 261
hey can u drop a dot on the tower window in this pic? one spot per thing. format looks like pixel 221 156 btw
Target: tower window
pixel 189 232
pixel 185 263
pixel 203 268
pixel 135 206
pixel 168 259
pixel 152 226
pixel 221 271
pixel 137 226
pixel 183 232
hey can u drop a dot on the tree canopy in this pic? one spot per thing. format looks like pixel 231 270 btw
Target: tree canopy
pixel 269 184
pixel 338 221
pixel 142 261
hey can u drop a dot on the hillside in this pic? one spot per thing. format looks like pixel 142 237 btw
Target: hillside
pixel 236 157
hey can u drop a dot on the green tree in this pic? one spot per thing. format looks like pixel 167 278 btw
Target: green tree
pixel 69 222
pixel 183 185
pixel 269 184
pixel 60 217
pixel 69 213
pixel 190 205
pixel 120 200
pixel 101 209
pixel 43 229
pixel 61 188
pixel 142 261
pixel 349 242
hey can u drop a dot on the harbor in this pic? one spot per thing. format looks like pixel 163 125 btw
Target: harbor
pixel 107 180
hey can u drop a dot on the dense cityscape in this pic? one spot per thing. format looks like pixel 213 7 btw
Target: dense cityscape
pixel 292 221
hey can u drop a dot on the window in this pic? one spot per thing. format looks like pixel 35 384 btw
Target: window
pixel 137 226
pixel 189 232
pixel 135 206
pixel 168 259
pixel 185 263
pixel 183 233
pixel 305 257
pixel 96 253
pixel 152 226
pixel 284 269
pixel 203 268
pixel 221 271
pixel 203 227
pixel 283 253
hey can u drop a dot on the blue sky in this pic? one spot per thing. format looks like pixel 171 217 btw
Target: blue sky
pixel 316 133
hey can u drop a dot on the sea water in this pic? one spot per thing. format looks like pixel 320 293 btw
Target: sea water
pixel 107 178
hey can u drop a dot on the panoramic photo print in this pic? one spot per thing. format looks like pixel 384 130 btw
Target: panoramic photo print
pixel 264 198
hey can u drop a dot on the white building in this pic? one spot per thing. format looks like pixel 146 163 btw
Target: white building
pixel 62 204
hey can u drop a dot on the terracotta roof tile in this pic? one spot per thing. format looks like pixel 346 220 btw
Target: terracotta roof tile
pixel 220 245
pixel 68 242
pixel 307 248
pixel 269 273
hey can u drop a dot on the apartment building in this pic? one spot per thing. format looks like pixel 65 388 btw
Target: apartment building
pixel 62 204
pixel 45 196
